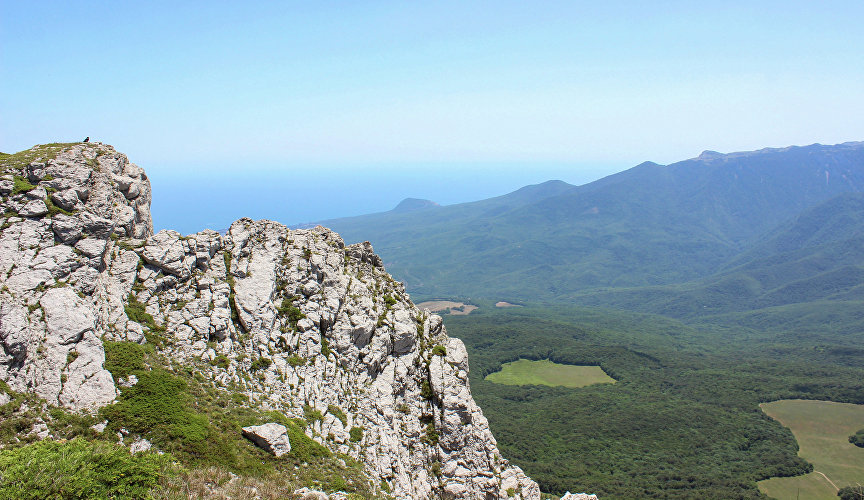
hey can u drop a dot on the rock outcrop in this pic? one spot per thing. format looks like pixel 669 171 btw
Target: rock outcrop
pixel 295 319
pixel 578 496
pixel 271 437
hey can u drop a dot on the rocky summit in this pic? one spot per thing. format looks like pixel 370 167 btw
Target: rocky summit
pixel 293 321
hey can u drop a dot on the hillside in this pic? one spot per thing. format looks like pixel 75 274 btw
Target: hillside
pixel 284 358
pixel 649 226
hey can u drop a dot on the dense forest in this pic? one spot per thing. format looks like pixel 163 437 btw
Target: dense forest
pixel 683 421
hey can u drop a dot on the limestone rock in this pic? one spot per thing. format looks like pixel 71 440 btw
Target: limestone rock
pixel 140 445
pixel 308 494
pixel 271 437
pixel 578 496
pixel 293 317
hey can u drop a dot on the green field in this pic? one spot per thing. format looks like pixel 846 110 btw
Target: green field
pixel 545 372
pixel 822 429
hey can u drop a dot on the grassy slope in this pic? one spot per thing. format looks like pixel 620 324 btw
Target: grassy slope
pixel 822 429
pixel 545 372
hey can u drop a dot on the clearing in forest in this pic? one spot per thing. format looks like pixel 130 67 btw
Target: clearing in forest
pixel 545 372
pixel 447 307
pixel 822 429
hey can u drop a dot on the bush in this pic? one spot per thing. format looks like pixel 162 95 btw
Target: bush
pixel 123 358
pixel 137 312
pixel 260 364
pixel 79 469
pixel 356 434
pixel 295 360
pixel 431 436
pixel 220 361
pixel 426 389
pixel 289 310
pixel 338 413
pixel 439 350
pixel 302 446
pixel 857 439
pixel 851 493
pixel 325 347
pixel 21 185
pixel 159 399
pixel 312 415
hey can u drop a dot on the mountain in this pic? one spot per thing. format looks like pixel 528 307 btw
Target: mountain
pixel 263 353
pixel 649 226
pixel 412 204
pixel 817 256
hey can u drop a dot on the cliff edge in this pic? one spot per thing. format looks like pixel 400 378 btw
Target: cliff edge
pixel 293 320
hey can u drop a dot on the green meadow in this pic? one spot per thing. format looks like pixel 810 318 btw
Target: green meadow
pixel 545 372
pixel 822 429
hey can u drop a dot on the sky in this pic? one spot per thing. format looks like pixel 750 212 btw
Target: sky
pixel 303 111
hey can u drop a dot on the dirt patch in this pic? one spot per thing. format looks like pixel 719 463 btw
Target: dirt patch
pixel 506 304
pixel 463 311
pixel 447 307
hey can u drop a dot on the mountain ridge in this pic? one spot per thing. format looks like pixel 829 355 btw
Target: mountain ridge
pixel 179 341
pixel 646 226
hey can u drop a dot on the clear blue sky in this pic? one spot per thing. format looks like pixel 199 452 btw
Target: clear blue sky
pixel 310 110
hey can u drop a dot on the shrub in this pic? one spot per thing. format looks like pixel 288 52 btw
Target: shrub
pixel 857 439
pixel 21 185
pixel 79 469
pixel 338 413
pixel 302 446
pixel 292 312
pixel 157 400
pixel 123 358
pixel 426 389
pixel 137 312
pixel 295 361
pixel 220 361
pixel 439 350
pixel 312 414
pixel 431 436
pixel 851 493
pixel 356 434
pixel 325 347
pixel 260 364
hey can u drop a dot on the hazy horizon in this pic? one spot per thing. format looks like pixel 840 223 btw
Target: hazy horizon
pixel 369 103
pixel 191 201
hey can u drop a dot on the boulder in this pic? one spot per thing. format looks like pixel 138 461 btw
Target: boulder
pixel 271 437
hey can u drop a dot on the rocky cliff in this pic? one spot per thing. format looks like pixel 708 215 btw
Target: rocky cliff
pixel 295 321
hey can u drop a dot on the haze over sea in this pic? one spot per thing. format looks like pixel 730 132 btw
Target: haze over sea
pixel 189 201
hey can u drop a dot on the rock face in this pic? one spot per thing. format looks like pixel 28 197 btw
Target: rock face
pixel 295 318
pixel 578 496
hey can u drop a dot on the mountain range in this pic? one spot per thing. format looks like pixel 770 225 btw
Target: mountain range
pixel 719 234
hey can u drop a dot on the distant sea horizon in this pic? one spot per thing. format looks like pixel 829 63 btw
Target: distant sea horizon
pixel 189 199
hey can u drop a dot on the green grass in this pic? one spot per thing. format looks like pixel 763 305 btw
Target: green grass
pixel 545 372
pixel 41 152
pixel 822 429
pixel 80 469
